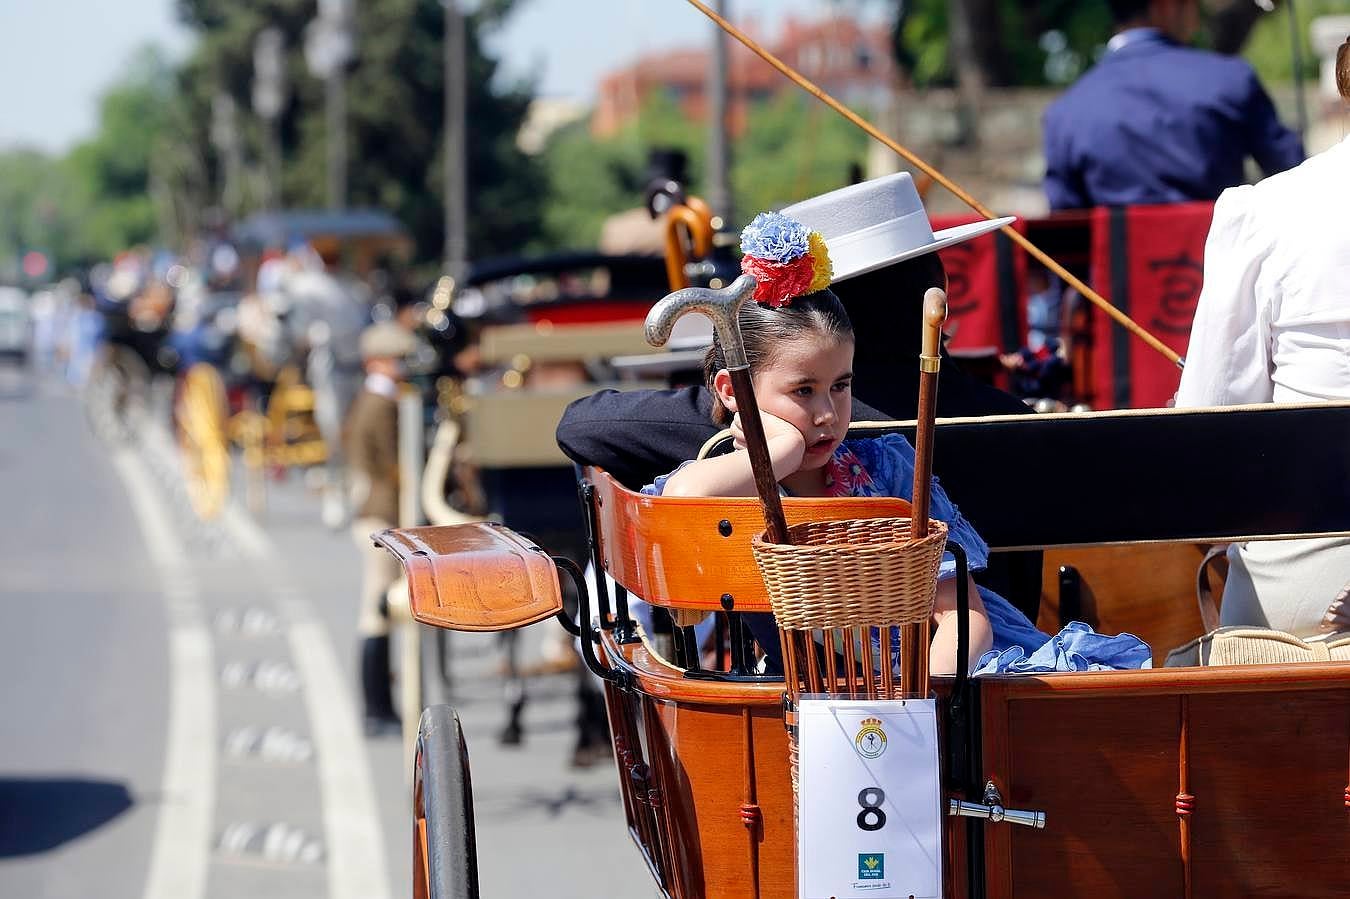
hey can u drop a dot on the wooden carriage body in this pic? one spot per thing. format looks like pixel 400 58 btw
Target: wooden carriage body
pixel 1165 782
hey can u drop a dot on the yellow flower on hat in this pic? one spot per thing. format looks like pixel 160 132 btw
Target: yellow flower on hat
pixel 820 255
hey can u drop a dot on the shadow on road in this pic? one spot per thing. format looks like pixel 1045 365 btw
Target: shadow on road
pixel 39 814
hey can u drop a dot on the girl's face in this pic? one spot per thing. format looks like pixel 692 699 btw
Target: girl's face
pixel 808 382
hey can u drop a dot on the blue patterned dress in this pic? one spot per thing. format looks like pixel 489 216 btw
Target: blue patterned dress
pixel 884 466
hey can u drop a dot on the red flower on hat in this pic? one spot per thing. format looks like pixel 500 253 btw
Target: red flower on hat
pixel 777 283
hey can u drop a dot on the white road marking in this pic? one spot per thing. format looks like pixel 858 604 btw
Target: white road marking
pixel 351 821
pixel 355 856
pixel 276 745
pixel 271 677
pixel 247 622
pixel 178 859
pixel 278 843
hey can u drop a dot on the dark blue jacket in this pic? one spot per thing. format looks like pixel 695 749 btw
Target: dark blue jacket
pixel 1156 122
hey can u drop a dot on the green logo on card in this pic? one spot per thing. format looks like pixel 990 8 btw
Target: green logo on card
pixel 872 866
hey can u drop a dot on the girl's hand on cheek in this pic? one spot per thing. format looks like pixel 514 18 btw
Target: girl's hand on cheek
pixel 787 445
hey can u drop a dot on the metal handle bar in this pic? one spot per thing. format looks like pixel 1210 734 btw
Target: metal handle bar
pixel 992 810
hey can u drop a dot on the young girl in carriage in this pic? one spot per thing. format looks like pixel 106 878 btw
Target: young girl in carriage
pixel 799 343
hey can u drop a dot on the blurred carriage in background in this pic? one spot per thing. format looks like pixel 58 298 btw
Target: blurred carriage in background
pixel 514 344
pixel 542 332
pixel 280 388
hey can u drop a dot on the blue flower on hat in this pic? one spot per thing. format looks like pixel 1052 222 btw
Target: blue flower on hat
pixel 773 237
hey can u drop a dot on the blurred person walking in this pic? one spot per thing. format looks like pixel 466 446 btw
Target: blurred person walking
pixel 84 331
pixel 1156 121
pixel 371 432
pixel 325 315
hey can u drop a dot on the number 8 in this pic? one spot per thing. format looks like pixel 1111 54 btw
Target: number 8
pixel 871 817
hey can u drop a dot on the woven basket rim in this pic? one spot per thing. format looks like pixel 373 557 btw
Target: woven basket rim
pixel 760 542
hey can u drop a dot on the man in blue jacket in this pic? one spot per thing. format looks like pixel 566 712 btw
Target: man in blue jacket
pixel 1156 121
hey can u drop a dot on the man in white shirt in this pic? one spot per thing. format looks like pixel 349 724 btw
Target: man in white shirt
pixel 1273 325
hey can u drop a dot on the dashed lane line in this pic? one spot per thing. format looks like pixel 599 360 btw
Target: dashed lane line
pixel 180 853
pixel 355 858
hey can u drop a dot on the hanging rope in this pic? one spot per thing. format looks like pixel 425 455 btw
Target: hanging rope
pixel 1013 234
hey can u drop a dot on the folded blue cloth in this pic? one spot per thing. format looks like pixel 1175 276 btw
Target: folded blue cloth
pixel 1075 648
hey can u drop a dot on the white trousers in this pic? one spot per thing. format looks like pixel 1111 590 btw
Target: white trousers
pixel 379 571
pixel 1288 585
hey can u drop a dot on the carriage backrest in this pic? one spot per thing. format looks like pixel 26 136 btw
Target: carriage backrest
pixel 694 552
pixel 1143 476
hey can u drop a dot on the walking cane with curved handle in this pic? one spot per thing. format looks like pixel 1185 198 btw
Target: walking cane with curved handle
pixel 914 638
pixel 723 307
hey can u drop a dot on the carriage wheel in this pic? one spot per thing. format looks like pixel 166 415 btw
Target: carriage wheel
pixel 202 438
pixel 445 854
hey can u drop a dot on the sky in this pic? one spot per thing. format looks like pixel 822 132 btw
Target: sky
pixel 57 56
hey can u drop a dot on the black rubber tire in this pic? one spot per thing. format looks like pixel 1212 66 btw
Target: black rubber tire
pixel 448 802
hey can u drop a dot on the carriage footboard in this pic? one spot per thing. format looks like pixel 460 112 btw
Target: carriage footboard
pixel 475 577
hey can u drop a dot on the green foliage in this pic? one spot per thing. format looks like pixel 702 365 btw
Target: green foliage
pixel 395 109
pixel 94 202
pixel 792 148
pixel 154 165
pixel 921 42
pixel 1046 43
pixel 1269 49
pixel 111 171
pixel 589 179
pixel 1052 42
pixel 36 208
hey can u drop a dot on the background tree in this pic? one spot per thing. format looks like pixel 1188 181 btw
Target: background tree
pixel 395 89
pixel 792 147
pixel 999 43
pixel 589 178
pixel 1013 43
pixel 111 171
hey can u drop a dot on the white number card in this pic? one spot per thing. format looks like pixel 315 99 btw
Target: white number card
pixel 869 819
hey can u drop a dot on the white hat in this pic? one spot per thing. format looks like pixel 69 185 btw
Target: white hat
pixel 877 223
pixel 387 340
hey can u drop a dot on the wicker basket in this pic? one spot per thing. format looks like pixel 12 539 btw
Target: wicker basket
pixel 852 573
pixel 844 575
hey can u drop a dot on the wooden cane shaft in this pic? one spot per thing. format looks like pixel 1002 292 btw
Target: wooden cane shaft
pixel 921 659
pixel 758 447
pixel 910 648
pixel 930 361
pixel 923 453
pixel 887 672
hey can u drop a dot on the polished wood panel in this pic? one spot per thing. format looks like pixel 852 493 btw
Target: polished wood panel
pixel 474 577
pixel 1101 770
pixel 691 551
pixel 1175 782
pixel 1164 681
pixel 1268 774
pixel 712 758
pixel 716 754
pixel 1146 590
